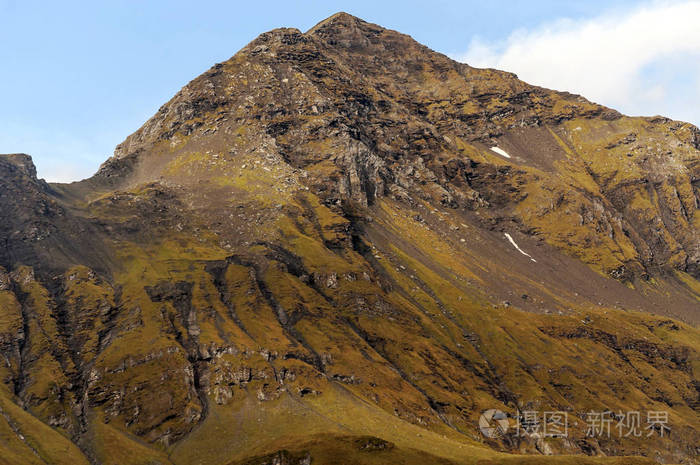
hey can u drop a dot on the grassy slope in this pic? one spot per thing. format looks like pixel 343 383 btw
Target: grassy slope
pixel 27 440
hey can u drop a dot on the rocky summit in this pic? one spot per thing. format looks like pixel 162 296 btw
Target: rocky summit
pixel 340 246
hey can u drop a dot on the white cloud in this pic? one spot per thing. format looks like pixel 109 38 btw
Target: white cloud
pixel 642 61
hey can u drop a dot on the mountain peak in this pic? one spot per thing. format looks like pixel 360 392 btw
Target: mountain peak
pixel 346 30
pixel 340 19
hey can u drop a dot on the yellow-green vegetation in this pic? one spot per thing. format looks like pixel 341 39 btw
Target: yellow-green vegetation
pixel 115 447
pixel 26 440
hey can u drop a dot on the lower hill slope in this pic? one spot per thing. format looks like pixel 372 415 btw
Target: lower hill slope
pixel 309 330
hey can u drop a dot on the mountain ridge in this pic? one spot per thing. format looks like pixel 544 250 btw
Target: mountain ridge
pixel 314 248
pixel 342 25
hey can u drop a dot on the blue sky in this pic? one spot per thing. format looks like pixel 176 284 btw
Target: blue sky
pixel 78 77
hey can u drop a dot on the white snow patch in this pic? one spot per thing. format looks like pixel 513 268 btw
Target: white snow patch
pixel 508 236
pixel 500 151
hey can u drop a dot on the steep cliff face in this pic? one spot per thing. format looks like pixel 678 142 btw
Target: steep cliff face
pixel 340 243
